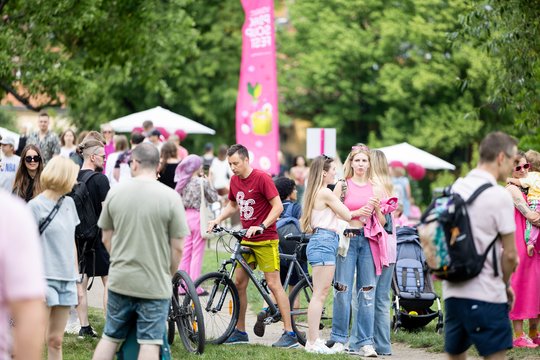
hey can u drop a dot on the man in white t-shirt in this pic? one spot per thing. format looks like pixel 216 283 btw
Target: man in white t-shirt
pixel 10 163
pixel 477 309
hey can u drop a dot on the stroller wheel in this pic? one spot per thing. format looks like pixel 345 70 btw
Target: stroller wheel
pixel 439 329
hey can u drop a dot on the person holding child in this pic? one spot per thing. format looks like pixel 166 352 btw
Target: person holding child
pixel 532 183
pixel 524 281
pixel 321 212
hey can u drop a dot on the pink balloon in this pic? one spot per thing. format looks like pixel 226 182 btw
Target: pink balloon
pixel 416 171
pixel 181 134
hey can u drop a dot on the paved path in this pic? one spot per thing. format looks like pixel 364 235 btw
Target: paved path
pixel 273 332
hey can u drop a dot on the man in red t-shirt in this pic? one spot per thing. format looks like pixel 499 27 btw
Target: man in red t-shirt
pixel 254 195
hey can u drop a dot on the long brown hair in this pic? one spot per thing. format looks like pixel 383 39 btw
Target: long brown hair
pixel 314 184
pixel 168 151
pixel 22 178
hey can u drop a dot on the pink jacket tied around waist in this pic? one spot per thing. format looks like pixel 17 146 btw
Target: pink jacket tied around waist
pixel 374 231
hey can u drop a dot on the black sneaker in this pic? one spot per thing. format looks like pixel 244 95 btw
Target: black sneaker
pixel 259 326
pixel 87 331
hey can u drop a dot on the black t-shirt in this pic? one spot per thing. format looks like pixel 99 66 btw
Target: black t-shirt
pixel 98 187
pixel 167 176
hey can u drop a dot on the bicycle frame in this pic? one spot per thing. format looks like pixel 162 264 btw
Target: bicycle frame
pixel 235 259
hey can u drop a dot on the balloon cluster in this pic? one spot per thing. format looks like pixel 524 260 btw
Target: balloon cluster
pixel 416 171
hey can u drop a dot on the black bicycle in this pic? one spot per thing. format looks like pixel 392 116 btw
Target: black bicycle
pixel 186 314
pixel 221 306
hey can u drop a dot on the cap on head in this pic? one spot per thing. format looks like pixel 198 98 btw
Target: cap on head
pixel 8 140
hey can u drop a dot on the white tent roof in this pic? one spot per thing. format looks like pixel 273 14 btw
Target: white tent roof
pixel 161 118
pixel 407 153
pixel 7 133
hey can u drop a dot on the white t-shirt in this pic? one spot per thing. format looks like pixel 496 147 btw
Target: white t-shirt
pixel 66 152
pixel 221 173
pixel 8 170
pixel 490 214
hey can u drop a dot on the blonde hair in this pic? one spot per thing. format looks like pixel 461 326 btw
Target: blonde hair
pixel 380 172
pixel 59 175
pixel 533 158
pixel 314 184
pixel 348 171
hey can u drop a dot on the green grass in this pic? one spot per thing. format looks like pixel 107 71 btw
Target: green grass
pixel 427 338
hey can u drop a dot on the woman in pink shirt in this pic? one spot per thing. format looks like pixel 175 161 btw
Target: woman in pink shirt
pixel 362 198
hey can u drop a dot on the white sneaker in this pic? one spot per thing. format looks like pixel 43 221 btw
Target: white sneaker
pixel 72 328
pixel 338 347
pixel 318 347
pixel 367 351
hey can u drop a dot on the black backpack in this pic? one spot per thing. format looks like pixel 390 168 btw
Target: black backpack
pixel 447 239
pixel 287 225
pixel 87 230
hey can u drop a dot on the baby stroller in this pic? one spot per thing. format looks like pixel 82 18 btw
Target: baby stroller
pixel 412 285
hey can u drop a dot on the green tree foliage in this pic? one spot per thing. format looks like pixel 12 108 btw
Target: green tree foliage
pixel 103 56
pixel 385 72
pixel 509 30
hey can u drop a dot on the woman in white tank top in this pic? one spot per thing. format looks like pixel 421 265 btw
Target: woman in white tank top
pixel 321 211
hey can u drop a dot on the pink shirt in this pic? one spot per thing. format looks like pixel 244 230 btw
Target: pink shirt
pixel 357 195
pixel 21 267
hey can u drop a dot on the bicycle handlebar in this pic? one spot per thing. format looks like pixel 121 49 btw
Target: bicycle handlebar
pixel 236 233
pixel 303 238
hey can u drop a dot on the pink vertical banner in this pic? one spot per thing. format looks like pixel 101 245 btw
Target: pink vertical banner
pixel 257 125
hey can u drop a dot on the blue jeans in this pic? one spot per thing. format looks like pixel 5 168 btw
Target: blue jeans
pixel 358 258
pixel 149 315
pixel 381 332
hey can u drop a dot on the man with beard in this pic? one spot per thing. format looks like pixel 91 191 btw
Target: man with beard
pixel 93 258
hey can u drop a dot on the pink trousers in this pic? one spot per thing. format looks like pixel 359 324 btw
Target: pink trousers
pixel 192 255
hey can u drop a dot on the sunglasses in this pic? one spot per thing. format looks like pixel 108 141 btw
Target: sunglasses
pixel 35 158
pixel 524 166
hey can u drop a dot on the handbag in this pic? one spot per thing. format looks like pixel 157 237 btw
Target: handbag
pixel 204 215
pixel 44 223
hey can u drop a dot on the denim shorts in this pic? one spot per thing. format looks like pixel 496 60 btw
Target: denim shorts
pixel 124 312
pixel 322 247
pixel 484 324
pixel 61 293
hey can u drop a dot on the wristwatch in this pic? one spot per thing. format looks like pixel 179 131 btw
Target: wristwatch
pixel 261 225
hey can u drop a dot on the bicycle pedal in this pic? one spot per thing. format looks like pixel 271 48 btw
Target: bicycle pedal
pixel 268 321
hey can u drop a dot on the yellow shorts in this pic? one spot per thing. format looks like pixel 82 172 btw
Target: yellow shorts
pixel 265 254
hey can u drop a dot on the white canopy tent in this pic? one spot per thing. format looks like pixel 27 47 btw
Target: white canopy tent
pixel 7 133
pixel 163 118
pixel 407 153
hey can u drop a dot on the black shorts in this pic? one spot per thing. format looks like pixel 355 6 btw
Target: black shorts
pixel 96 262
pixel 479 323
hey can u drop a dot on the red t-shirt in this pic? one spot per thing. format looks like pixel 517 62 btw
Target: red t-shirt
pixel 253 195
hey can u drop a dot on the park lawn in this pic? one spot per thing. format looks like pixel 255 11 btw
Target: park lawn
pixel 427 338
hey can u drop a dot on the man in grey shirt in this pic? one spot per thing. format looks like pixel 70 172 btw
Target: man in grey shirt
pixel 143 224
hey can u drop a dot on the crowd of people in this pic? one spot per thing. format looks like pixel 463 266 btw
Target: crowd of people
pixel 146 197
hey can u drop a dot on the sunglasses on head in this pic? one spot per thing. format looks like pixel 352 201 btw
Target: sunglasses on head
pixel 35 158
pixel 524 166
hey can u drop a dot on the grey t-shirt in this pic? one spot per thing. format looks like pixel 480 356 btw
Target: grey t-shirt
pixel 8 170
pixel 58 239
pixel 144 214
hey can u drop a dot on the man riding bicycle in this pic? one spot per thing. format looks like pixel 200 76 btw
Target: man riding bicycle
pixel 254 195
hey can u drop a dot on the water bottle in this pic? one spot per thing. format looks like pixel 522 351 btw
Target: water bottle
pixel 364 219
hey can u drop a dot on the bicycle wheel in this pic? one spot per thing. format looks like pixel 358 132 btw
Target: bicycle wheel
pixel 299 301
pixel 189 318
pixel 220 307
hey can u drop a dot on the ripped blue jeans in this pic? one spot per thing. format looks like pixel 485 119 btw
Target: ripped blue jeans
pixel 358 258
